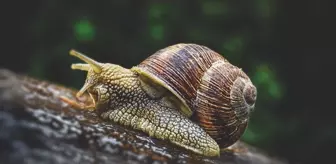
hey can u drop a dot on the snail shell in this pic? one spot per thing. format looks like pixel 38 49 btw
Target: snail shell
pixel 218 95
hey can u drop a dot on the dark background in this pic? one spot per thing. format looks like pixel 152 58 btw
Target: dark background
pixel 285 46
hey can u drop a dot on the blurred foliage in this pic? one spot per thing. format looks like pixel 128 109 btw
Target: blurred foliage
pixel 125 32
pixel 84 31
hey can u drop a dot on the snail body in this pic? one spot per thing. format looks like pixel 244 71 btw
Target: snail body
pixel 185 93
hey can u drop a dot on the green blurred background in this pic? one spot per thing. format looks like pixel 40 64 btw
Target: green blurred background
pixel 281 45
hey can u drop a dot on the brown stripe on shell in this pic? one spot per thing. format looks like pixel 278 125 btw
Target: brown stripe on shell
pixel 214 111
pixel 181 66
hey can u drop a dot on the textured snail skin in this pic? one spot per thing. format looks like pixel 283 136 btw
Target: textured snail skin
pixel 119 97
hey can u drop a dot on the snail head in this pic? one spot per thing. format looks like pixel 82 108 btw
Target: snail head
pixel 97 74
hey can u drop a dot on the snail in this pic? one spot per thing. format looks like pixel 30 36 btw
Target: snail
pixel 186 94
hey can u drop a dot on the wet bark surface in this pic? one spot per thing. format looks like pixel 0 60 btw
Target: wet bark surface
pixel 37 127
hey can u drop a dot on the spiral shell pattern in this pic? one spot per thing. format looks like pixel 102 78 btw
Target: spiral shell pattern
pixel 219 94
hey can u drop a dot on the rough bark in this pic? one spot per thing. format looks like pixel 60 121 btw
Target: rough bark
pixel 37 127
